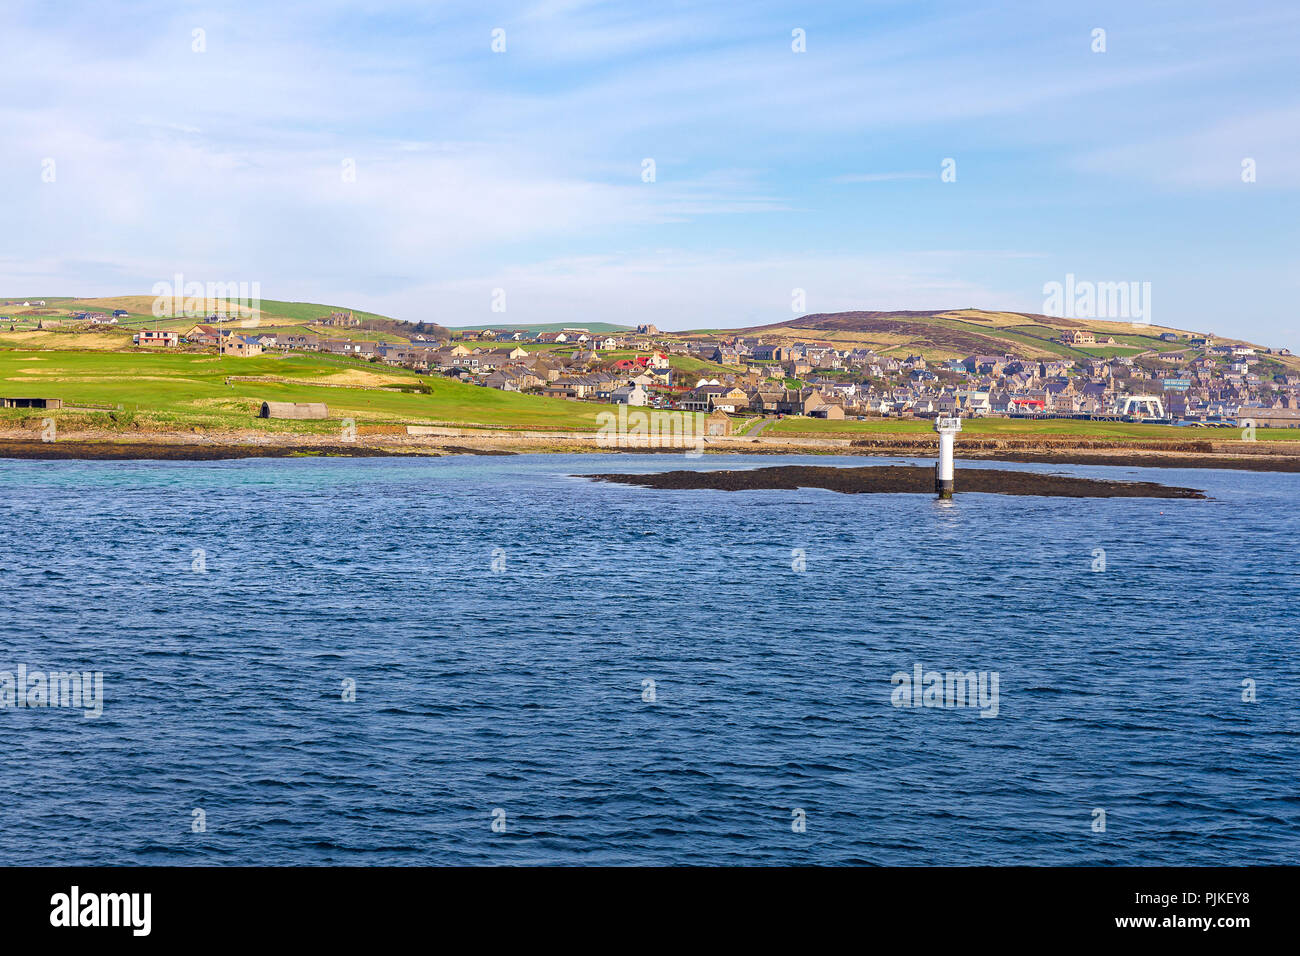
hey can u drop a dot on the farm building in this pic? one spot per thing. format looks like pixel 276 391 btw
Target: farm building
pixel 1079 337
pixel 240 347
pixel 204 334
pixel 831 410
pixel 155 337
pixel 293 410
pixel 1271 417
pixel 31 403
pixel 339 318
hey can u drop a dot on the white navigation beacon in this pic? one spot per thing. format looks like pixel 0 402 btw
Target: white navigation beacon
pixel 947 429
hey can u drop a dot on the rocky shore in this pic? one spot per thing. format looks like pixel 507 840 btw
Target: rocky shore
pixel 193 451
pixel 252 443
pixel 900 479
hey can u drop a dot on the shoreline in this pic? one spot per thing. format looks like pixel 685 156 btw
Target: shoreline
pixel 427 442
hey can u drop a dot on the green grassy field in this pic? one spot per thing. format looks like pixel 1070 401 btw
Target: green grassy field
pixel 306 311
pixel 1041 337
pixel 161 390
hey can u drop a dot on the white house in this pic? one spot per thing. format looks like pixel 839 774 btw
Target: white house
pixel 634 394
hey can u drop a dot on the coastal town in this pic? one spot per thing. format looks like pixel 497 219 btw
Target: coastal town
pixel 1193 380
pixel 851 367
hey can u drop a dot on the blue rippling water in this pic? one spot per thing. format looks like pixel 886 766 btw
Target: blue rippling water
pixel 522 689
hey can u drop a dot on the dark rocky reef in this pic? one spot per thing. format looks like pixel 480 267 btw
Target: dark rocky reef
pixel 902 479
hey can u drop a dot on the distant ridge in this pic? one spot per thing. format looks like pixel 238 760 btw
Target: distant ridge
pixel 862 321
pixel 961 332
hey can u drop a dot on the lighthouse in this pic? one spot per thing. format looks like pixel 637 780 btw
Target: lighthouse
pixel 947 429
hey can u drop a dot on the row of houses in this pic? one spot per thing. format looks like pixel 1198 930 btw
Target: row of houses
pixel 733 399
pixel 227 341
pixel 582 337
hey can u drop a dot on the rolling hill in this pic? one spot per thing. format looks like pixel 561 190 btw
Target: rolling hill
pixel 935 334
pixel 961 332
pixel 271 314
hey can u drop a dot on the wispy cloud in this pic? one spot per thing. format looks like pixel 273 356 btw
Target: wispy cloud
pixel 880 177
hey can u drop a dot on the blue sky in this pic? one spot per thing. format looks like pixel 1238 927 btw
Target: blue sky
pixel 774 170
